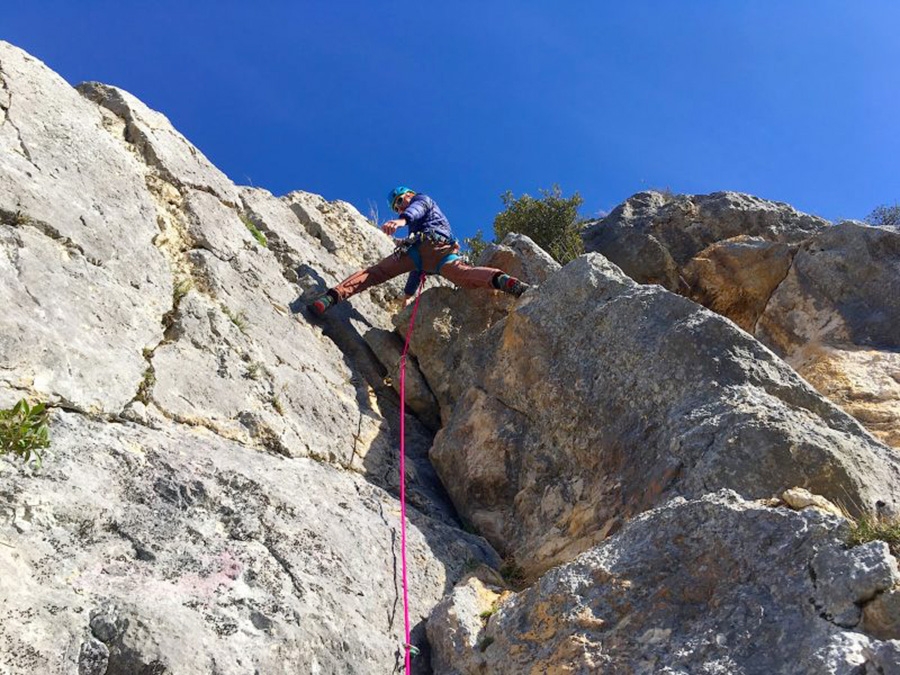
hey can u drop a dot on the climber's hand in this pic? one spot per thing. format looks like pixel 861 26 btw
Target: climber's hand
pixel 392 226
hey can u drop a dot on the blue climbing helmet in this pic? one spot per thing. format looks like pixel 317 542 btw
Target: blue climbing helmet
pixel 397 192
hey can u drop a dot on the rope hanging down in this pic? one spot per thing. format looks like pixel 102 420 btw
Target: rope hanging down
pixel 407 645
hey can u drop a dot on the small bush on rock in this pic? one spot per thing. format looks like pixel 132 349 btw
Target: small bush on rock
pixel 886 216
pixel 552 222
pixel 24 431
pixel 870 528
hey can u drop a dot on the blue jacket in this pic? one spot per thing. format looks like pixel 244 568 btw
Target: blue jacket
pixel 423 215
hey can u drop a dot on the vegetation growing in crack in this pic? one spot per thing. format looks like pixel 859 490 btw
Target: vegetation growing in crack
pixel 24 431
pixel 239 319
pixel 146 386
pixel 14 218
pixel 512 573
pixel 276 401
pixel 256 370
pixel 874 528
pixel 182 288
pixel 254 230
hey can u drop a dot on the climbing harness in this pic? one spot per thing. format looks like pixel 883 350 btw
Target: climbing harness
pixel 407 646
pixel 410 247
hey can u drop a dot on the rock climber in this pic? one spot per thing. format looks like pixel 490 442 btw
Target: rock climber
pixel 430 248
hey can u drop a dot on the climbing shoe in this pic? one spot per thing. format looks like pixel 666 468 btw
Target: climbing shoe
pixel 322 304
pixel 511 285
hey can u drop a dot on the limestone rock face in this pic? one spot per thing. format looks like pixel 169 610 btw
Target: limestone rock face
pixel 835 320
pixel 590 411
pixel 219 495
pixel 831 311
pixel 82 286
pixel 159 144
pixel 209 444
pixel 453 333
pixel 653 235
pixel 711 585
pixel 175 551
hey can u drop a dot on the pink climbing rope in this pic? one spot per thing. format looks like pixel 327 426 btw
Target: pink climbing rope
pixel 407 645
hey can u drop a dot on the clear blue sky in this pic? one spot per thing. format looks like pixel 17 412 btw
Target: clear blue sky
pixel 796 101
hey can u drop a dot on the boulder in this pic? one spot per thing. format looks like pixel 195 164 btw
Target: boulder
pixel 582 414
pixel 835 318
pixel 653 235
pixel 711 585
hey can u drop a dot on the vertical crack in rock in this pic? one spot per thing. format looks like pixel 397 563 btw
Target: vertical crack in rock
pixel 277 557
pixel 6 101
pixel 774 292
pixel 392 614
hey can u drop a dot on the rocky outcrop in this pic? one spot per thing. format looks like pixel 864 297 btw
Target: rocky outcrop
pixel 590 411
pixel 835 319
pixel 823 297
pixel 652 236
pixel 710 585
pixel 210 446
pixel 219 495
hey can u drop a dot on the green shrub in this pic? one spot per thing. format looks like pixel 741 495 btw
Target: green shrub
pixel 552 222
pixel 474 246
pixel 885 215
pixel 24 431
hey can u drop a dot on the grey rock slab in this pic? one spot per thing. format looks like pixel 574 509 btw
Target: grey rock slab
pixel 215 227
pixel 592 410
pixel 160 145
pixel 341 229
pixel 713 585
pixel 62 173
pixel 82 279
pixel 184 552
pixel 72 332
pixel 239 366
